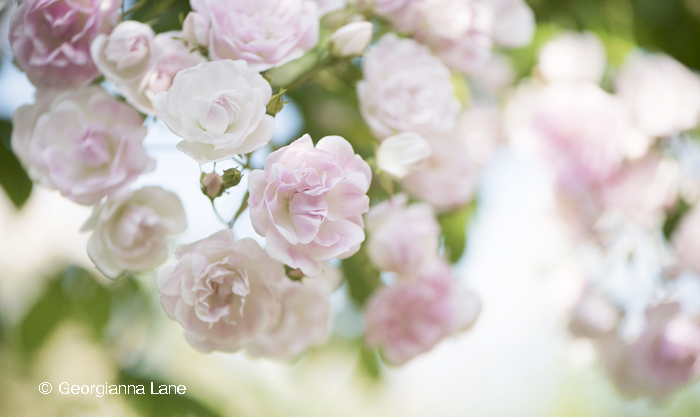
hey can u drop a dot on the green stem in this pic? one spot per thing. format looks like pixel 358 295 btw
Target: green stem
pixel 241 209
pixel 221 219
pixel 323 63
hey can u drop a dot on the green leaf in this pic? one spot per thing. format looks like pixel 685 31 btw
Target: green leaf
pixel 675 216
pixel 370 362
pixel 162 405
pixel 454 230
pixel 51 308
pixel 13 178
pixel 361 276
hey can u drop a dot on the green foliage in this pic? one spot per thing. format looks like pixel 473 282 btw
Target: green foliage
pixel 454 230
pixel 162 15
pixel 370 362
pixel 361 276
pixel 675 216
pixel 13 178
pixel 162 405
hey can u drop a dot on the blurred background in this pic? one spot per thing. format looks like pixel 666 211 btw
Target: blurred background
pixel 60 320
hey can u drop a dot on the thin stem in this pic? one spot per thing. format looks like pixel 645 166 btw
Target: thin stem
pixel 139 4
pixel 323 63
pixel 221 219
pixel 241 209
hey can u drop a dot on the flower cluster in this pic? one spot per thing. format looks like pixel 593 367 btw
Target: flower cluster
pixel 371 204
pixel 625 188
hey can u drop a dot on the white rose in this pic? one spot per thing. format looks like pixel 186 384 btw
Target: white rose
pixel 573 56
pixel 662 95
pixel 219 109
pixel 305 317
pixel 170 56
pixel 406 89
pixel 223 292
pixel 401 154
pixel 84 143
pixel 125 54
pixel 195 30
pixel 351 39
pixel 130 230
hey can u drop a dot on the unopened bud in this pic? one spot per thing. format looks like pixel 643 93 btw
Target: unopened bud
pixel 276 103
pixel 351 39
pixel 195 30
pixel 212 185
pixel 401 154
pixel 232 177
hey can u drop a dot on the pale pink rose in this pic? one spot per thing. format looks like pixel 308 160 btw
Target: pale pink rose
pixel 169 57
pixel 480 129
pixel 686 240
pixel 573 56
pixel 582 132
pixel 406 89
pixel 449 177
pixel 125 54
pixel 130 230
pixel 223 292
pixel 84 143
pixel 411 318
pixel 264 33
pixel 351 39
pixel 514 23
pixel 403 239
pixel 642 190
pixel 195 30
pixel 664 358
pixel 403 153
pixel 305 318
pixel 219 109
pixel 329 6
pixel 309 202
pixel 402 14
pixel 594 316
pixel 51 39
pixel 662 95
pixel 498 73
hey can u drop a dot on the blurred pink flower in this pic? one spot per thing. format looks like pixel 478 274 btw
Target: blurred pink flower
pixel 402 238
pixel 406 89
pixel 85 143
pixel 573 56
pixel 662 95
pixel 411 318
pixel 125 54
pixel 265 33
pixel 169 57
pixel 51 39
pixel 305 318
pixel 686 240
pixel 223 292
pixel 309 202
pixel 130 230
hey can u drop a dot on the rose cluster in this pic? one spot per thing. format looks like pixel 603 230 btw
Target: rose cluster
pixel 100 74
pixel 625 183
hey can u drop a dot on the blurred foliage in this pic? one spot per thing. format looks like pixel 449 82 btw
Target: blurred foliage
pixel 674 217
pixel 361 276
pixel 454 230
pixel 13 178
pixel 163 15
pixel 370 362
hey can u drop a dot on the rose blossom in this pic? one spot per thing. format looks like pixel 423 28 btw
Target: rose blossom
pixel 130 230
pixel 662 95
pixel 351 39
pixel 195 30
pixel 51 39
pixel 125 54
pixel 219 109
pixel 305 317
pixel 582 131
pixel 686 240
pixel 223 292
pixel 402 238
pixel 514 23
pixel 406 89
pixel 573 56
pixel 309 202
pixel 401 154
pixel 85 143
pixel 411 318
pixel 265 33
pixel 170 56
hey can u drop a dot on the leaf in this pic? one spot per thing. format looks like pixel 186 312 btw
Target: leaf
pixel 370 362
pixel 162 405
pixel 675 216
pixel 362 278
pixel 13 178
pixel 51 308
pixel 454 230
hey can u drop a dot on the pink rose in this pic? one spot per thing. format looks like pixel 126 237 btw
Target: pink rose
pixel 573 56
pixel 582 131
pixel 402 239
pixel 265 33
pixel 305 317
pixel 169 57
pixel 51 39
pixel 84 143
pixel 125 54
pixel 223 292
pixel 411 318
pixel 309 202
pixel 406 89
pixel 686 240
